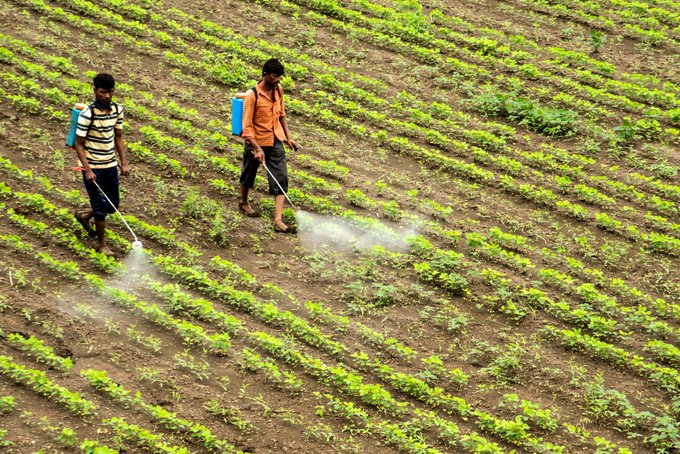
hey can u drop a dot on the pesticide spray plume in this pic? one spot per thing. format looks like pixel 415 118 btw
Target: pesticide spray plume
pixel 343 234
pixel 314 229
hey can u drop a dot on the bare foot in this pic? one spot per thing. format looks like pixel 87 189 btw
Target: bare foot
pixel 246 209
pixel 105 250
pixel 280 227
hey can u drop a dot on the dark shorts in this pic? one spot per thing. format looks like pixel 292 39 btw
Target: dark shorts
pixel 274 159
pixel 107 179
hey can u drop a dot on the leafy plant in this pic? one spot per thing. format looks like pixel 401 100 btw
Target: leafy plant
pixel 597 39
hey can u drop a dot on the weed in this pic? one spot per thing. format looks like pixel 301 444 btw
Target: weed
pixel 3 442
pixel 199 368
pixel 229 415
pixel 149 341
pixel 85 309
pixel 3 304
pixel 321 432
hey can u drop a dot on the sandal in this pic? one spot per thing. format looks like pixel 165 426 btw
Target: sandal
pixel 87 226
pixel 248 210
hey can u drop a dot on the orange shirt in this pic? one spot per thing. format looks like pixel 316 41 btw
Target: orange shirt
pixel 265 124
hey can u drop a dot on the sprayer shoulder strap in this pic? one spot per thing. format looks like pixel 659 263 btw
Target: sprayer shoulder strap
pixel 92 115
pixel 255 93
pixel 278 88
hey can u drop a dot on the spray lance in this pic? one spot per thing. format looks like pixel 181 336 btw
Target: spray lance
pixel 301 216
pixel 276 181
pixel 136 244
pixel 279 185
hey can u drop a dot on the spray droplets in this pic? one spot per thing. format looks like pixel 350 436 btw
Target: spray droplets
pixel 314 230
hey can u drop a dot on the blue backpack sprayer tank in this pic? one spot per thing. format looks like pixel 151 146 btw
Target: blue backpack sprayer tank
pixel 75 113
pixel 237 114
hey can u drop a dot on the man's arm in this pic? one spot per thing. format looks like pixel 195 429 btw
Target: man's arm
pixel 118 142
pixel 248 129
pixel 120 148
pixel 289 139
pixel 284 124
pixel 259 152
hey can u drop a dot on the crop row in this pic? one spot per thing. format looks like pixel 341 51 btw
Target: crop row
pixel 421 273
pixel 459 32
pixel 99 380
pixel 40 383
pixel 371 394
pixel 62 434
pixel 513 295
pixel 562 181
pixel 43 353
pixel 190 333
pixel 387 403
pixel 648 32
pixel 392 407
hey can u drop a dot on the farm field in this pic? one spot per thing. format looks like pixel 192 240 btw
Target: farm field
pixel 488 243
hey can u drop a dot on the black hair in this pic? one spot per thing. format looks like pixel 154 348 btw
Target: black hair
pixel 105 81
pixel 272 66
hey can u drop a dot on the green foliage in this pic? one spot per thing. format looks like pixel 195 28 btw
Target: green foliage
pixel 38 381
pixel 3 442
pixel 450 319
pixel 666 353
pixel 43 353
pixel 597 39
pixel 546 120
pixel 403 28
pixel 613 407
pixel 7 404
pixel 254 362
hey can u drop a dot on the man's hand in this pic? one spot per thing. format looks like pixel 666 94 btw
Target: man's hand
pixel 90 176
pixel 124 169
pixel 259 154
pixel 293 145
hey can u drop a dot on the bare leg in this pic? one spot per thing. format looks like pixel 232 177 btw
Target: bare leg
pixel 101 238
pixel 244 195
pixel 84 218
pixel 87 215
pixel 244 206
pixel 279 200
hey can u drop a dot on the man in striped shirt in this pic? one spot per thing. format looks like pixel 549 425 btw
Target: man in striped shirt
pixel 99 136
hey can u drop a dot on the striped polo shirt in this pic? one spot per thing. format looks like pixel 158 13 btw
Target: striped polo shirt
pixel 100 147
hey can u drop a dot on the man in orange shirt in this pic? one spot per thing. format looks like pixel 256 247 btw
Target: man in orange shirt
pixel 265 130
